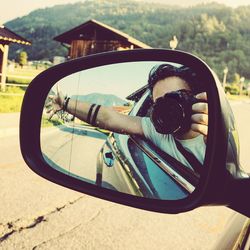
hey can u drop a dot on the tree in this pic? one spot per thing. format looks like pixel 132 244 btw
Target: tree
pixel 236 79
pixel 22 58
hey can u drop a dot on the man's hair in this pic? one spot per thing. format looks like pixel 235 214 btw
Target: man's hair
pixel 162 71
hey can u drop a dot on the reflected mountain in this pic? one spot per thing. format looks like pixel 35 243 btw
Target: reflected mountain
pixel 101 99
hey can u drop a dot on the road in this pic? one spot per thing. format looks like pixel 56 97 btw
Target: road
pixel 242 116
pixel 37 214
pixel 73 150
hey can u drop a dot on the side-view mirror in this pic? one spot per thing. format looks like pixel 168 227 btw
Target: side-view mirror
pixel 110 125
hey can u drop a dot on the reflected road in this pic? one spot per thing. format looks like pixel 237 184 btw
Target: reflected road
pixel 73 149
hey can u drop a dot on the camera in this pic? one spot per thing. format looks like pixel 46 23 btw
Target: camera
pixel 172 112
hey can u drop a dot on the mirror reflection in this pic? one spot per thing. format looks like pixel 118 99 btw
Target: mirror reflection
pixel 138 128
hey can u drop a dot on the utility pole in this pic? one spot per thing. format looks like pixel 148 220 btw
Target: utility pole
pixel 3 66
pixel 225 71
pixel 242 79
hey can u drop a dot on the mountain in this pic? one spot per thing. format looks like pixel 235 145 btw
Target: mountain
pixel 101 99
pixel 41 25
pixel 178 2
pixel 218 34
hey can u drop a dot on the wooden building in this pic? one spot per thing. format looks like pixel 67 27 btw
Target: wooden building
pixel 95 37
pixel 6 37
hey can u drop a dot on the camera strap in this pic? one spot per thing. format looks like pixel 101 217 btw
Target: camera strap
pixel 192 160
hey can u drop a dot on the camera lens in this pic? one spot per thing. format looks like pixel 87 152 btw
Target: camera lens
pixel 168 115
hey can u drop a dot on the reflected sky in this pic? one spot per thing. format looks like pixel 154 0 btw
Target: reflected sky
pixel 119 79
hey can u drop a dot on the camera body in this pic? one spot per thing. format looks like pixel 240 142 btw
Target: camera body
pixel 171 113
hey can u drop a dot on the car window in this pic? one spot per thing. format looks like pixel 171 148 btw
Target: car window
pixel 158 178
pixel 165 161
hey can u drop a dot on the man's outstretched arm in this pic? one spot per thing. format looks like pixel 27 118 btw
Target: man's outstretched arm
pixel 106 118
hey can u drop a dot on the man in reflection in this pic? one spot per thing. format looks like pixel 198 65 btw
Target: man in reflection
pixel 186 143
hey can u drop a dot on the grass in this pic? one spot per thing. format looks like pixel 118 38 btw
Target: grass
pixel 104 131
pixel 22 76
pixel 50 123
pixel 11 103
pixel 238 97
pixel 24 72
pixel 17 80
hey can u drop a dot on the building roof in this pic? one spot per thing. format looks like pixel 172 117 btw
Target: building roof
pixel 93 27
pixel 9 36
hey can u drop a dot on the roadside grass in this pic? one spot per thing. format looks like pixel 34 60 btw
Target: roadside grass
pixel 238 97
pixel 22 76
pixel 14 90
pixel 11 103
pixel 11 99
pixel 104 131
pixel 24 71
pixel 17 80
pixel 45 123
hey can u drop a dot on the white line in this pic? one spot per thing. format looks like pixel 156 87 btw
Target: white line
pixel 18 85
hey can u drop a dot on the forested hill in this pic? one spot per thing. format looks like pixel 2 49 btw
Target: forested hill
pixel 218 34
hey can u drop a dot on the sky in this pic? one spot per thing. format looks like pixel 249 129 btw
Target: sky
pixel 119 79
pixel 11 9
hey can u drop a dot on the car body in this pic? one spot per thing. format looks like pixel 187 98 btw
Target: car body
pixel 236 234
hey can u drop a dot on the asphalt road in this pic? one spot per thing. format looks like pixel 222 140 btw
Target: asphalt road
pixel 242 116
pixel 37 214
pixel 73 150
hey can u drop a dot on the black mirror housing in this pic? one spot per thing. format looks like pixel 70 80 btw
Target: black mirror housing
pixel 223 181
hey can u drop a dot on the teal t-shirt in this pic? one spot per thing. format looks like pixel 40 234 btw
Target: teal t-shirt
pixel 167 144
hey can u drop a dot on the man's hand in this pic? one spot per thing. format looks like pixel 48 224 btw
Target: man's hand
pixel 55 103
pixel 200 116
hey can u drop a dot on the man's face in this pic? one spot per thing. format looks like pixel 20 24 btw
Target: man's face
pixel 168 85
